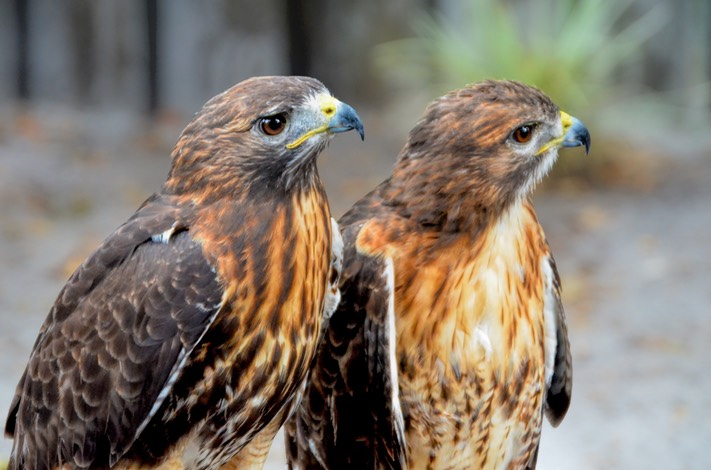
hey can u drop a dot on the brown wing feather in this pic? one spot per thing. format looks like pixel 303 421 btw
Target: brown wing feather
pixel 560 389
pixel 112 343
pixel 348 398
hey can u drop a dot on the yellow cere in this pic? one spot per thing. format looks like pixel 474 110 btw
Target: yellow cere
pixel 566 120
pixel 328 105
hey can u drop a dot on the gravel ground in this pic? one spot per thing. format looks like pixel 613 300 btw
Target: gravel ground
pixel 636 266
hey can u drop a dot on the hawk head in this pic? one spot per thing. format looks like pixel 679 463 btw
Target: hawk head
pixel 264 131
pixel 486 146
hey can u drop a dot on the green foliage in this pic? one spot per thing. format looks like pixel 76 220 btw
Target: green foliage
pixel 572 49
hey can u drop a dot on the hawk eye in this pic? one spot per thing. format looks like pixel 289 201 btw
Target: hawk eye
pixel 273 125
pixel 523 134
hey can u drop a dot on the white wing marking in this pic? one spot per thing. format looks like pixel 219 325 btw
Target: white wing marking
pixel 333 293
pixel 389 274
pixel 164 237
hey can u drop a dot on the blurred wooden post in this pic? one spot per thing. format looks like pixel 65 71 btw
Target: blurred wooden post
pixel 298 37
pixel 83 43
pixel 23 69
pixel 153 71
pixel 431 6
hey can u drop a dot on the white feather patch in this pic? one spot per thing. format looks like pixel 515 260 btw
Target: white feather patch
pixel 333 293
pixel 164 237
pixel 481 338
pixel 389 274
pixel 315 452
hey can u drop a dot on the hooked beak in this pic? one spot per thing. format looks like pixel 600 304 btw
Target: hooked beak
pixel 576 134
pixel 335 116
pixel 346 119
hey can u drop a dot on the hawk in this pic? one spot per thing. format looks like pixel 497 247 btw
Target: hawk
pixel 184 339
pixel 449 342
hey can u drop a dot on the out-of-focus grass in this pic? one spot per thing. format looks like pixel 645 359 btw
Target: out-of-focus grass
pixel 572 49
pixel 576 51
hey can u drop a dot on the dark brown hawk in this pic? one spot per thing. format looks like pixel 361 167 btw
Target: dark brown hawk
pixel 184 340
pixel 449 343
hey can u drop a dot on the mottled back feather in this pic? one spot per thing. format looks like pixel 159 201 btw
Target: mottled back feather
pixel 112 341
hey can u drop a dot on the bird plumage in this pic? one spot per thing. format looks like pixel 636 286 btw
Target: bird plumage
pixel 191 328
pixel 480 342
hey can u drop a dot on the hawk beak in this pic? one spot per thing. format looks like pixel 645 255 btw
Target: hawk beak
pixel 338 117
pixel 345 119
pixel 576 134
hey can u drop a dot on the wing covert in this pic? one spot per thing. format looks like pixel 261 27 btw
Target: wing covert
pixel 113 343
pixel 561 381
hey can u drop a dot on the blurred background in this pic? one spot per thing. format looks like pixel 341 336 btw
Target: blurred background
pixel 93 94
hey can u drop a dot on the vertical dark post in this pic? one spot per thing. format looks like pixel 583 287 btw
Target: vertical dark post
pixel 431 6
pixel 298 37
pixel 82 33
pixel 23 60
pixel 152 30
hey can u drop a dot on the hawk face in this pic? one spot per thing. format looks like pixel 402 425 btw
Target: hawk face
pixel 265 131
pixel 496 139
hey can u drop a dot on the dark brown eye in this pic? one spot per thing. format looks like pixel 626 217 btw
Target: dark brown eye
pixel 523 134
pixel 273 125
